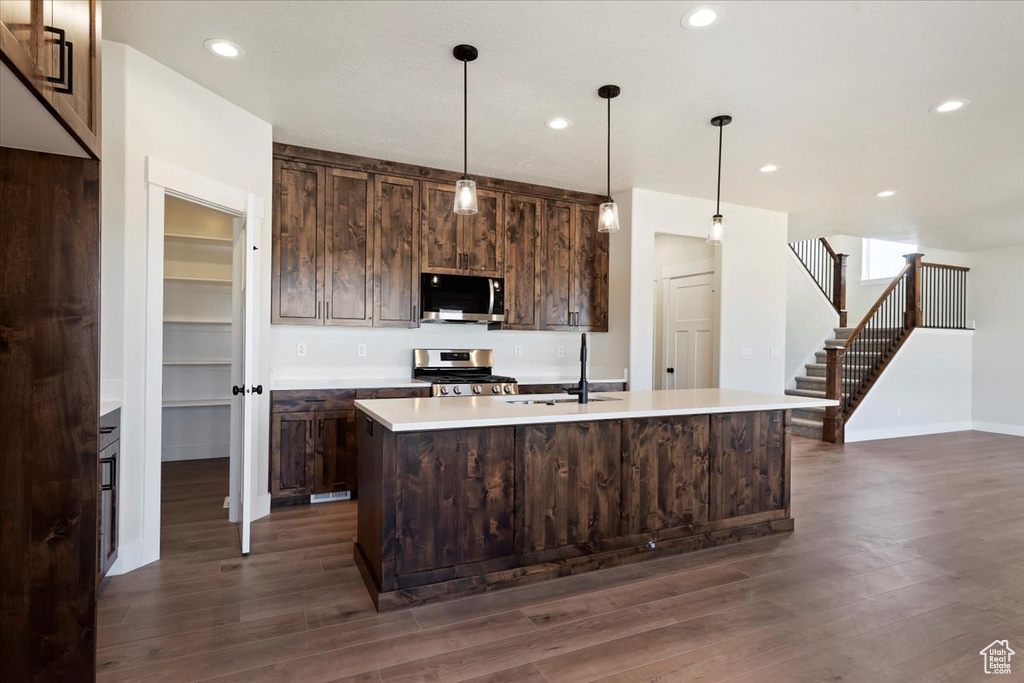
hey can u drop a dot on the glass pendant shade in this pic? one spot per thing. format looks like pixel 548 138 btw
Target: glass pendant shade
pixel 716 230
pixel 608 217
pixel 465 197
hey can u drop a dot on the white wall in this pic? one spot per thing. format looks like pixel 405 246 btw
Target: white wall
pixel 996 291
pixel 151 111
pixel 861 297
pixel 751 267
pixel 925 389
pixel 810 318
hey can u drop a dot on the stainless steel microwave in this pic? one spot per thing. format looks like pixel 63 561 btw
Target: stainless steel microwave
pixel 462 299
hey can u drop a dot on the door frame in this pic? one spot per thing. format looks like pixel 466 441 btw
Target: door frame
pixel 162 179
pixel 663 276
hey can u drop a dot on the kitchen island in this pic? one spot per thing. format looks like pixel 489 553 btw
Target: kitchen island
pixel 465 495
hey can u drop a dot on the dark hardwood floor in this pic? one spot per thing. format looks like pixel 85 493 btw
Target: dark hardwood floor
pixel 907 560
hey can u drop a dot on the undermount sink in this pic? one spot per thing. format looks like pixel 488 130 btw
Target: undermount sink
pixel 553 401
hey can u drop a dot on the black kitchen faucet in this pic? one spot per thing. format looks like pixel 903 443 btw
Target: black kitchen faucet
pixel 583 390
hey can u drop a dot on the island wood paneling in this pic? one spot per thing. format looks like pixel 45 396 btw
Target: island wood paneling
pixel 396 260
pixel 556 265
pixel 522 262
pixel 297 259
pixel 664 473
pixel 348 248
pixel 748 463
pixel 454 497
pixel 483 238
pixel 571 482
pixel 49 415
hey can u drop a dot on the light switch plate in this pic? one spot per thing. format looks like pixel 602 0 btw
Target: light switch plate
pixel 300 349
pixel 561 352
pixel 361 350
pixel 746 353
pixel 517 351
pixel 775 353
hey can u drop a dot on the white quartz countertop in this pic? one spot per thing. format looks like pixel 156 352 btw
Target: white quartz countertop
pixel 107 407
pixel 425 414
pixel 309 383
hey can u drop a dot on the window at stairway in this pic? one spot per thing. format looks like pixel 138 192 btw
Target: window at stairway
pixel 882 259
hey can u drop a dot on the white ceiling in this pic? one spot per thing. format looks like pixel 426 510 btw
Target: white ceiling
pixel 836 93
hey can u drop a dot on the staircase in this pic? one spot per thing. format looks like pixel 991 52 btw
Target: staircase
pixel 809 421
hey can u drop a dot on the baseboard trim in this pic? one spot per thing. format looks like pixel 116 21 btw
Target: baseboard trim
pixel 855 435
pixel 998 428
pixel 194 452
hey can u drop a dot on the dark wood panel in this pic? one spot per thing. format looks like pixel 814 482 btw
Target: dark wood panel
pixel 348 249
pixel 396 168
pixel 49 414
pixel 483 238
pixel 297 260
pixel 590 271
pixel 595 387
pixel 395 392
pixel 291 454
pixel 442 230
pixel 748 463
pixel 373 499
pixel 109 466
pixel 556 275
pixel 454 497
pixel 396 260
pixel 309 400
pixel 522 262
pixel 571 483
pixel 335 462
pixel 665 473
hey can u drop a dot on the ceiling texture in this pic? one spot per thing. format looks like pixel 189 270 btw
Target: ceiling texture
pixel 836 93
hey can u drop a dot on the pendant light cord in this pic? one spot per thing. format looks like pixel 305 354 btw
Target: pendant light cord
pixel 609 149
pixel 718 196
pixel 465 119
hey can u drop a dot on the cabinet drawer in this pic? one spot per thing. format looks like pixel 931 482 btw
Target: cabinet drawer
pixel 110 428
pixel 307 400
pixel 394 392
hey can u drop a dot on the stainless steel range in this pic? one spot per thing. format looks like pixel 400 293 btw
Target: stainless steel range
pixel 460 372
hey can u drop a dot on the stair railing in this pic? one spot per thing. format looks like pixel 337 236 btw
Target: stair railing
pixel 921 295
pixel 827 269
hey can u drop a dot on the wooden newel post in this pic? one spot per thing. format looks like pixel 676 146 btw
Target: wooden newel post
pixel 839 287
pixel 914 316
pixel 833 427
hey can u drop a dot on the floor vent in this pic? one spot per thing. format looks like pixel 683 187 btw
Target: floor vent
pixel 329 497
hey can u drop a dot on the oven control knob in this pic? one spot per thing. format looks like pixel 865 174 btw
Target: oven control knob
pixel 457 390
pixel 476 388
pixel 507 388
pixel 496 389
pixel 444 391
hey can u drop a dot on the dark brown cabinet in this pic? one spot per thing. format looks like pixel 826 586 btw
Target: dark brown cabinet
pixel 455 493
pixel 573 482
pixel 574 269
pixel 109 465
pixel 522 261
pixel 54 48
pixel 334 452
pixel 348 248
pixel 396 260
pixel 461 245
pixel 291 454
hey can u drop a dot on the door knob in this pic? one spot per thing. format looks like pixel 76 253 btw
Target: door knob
pixel 235 391
pixel 670 370
pixel 258 389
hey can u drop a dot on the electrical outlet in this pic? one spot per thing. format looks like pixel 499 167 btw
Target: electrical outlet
pixel 746 353
pixel 775 354
pixel 561 352
pixel 300 349
pixel 517 351
pixel 361 350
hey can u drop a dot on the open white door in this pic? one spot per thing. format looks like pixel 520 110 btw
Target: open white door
pixel 246 389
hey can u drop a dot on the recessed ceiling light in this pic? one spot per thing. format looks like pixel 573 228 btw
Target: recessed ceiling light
pixel 886 193
pixel 558 123
pixel 702 17
pixel 949 105
pixel 769 168
pixel 224 48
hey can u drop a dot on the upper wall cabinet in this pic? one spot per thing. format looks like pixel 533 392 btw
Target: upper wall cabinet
pixel 53 46
pixel 461 245
pixel 352 235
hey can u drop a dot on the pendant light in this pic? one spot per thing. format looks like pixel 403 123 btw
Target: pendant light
pixel 465 189
pixel 716 231
pixel 608 215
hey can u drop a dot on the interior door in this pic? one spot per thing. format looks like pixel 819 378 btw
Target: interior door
pixel 247 390
pixel 689 341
